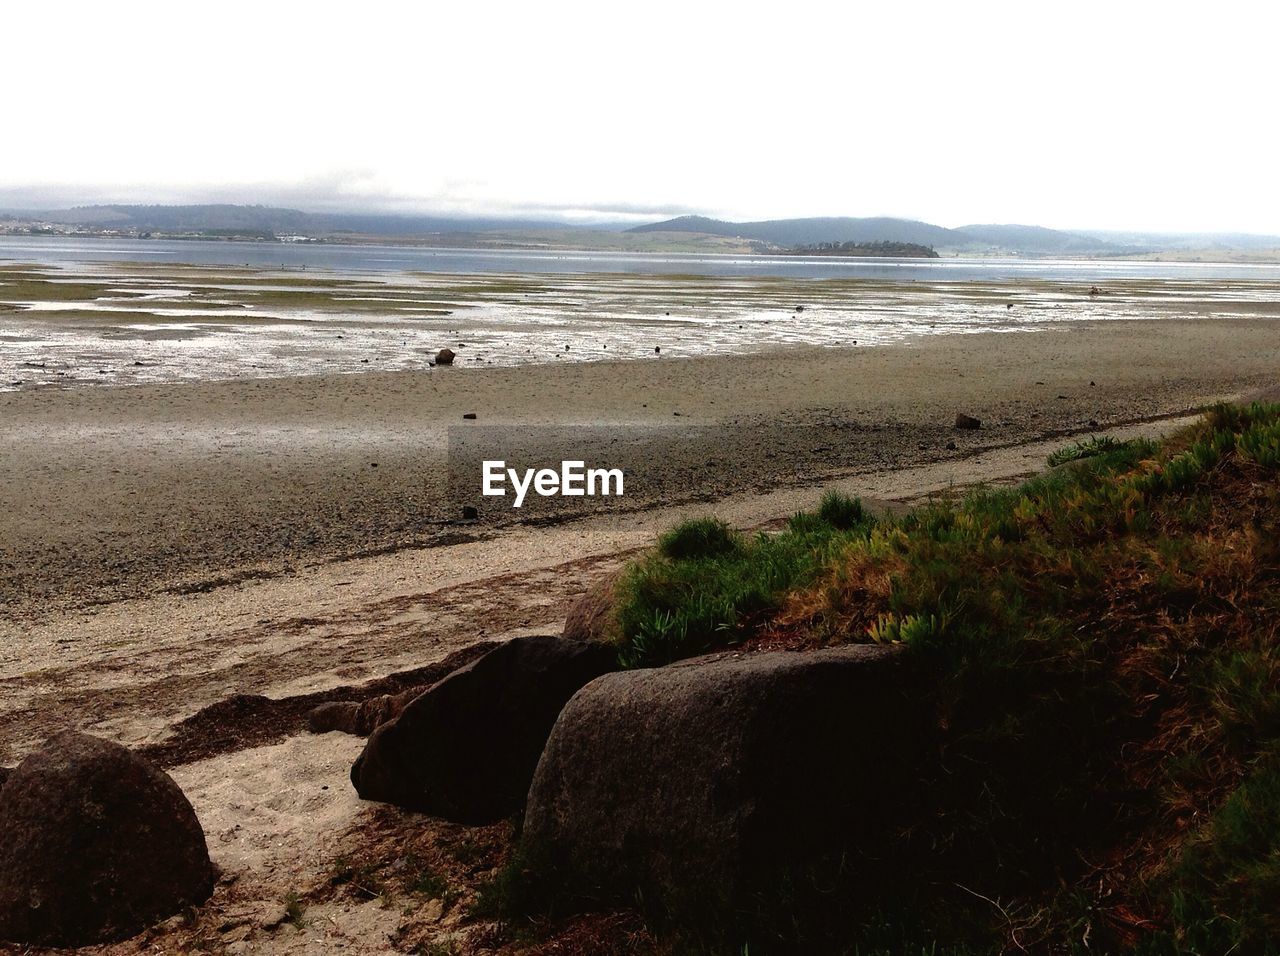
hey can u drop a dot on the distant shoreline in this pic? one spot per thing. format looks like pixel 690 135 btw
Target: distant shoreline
pixel 697 245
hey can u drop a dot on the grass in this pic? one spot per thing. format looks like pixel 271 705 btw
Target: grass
pixel 706 584
pixel 1108 701
pixel 1097 445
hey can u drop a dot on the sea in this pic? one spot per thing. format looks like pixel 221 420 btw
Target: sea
pixel 158 311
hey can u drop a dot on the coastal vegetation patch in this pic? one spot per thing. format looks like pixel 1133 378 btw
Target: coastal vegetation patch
pixel 1105 645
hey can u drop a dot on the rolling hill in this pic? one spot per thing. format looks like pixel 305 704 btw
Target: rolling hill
pixel 1025 240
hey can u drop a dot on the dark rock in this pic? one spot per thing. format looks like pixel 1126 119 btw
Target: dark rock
pixel 445 357
pixel 470 513
pixel 967 421
pixel 590 617
pixel 469 416
pixel 465 749
pixel 361 718
pixel 4 775
pixel 96 844
pixel 343 715
pixel 700 784
pixel 657 349
pixel 951 446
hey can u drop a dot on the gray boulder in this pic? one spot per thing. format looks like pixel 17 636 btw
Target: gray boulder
pixel 96 844
pixel 699 785
pixel 466 748
pixel 590 617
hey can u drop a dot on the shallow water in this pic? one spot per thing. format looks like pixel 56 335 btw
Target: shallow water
pixel 379 258
pixel 127 323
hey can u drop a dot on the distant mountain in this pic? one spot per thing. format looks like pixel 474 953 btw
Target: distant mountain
pixel 1036 240
pixel 1194 240
pixel 806 232
pixel 181 218
pixel 1020 240
pixel 686 232
pixel 226 218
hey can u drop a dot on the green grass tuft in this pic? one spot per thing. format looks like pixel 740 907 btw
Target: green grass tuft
pixel 700 538
pixel 841 511
pixel 706 583
pixel 1083 449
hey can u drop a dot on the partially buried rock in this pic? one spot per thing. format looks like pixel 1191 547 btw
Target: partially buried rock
pixel 591 617
pixel 445 357
pixel 967 421
pixel 96 844
pixel 465 749
pixel 699 785
pixel 360 718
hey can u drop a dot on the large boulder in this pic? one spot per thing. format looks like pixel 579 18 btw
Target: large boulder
pixel 590 617
pixel 700 785
pixel 466 748
pixel 96 844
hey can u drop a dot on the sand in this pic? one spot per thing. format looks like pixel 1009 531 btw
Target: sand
pixel 113 493
pixel 281 819
pixel 166 547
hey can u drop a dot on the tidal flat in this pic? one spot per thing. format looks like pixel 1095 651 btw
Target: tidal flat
pixel 130 323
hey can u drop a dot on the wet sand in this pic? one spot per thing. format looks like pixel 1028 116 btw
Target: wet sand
pixel 113 493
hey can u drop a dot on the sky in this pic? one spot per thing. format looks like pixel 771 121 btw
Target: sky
pixel 1118 115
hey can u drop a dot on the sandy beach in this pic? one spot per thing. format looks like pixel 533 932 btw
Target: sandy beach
pixel 168 549
pixel 111 493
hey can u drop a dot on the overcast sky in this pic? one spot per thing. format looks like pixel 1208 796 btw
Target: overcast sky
pixel 1155 116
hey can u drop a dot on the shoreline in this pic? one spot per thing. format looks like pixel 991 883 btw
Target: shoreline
pixel 693 245
pixel 350 620
pixel 115 493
